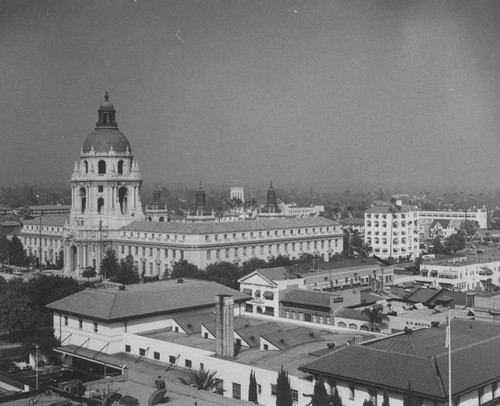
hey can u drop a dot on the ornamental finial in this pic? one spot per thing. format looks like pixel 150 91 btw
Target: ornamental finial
pixel 106 96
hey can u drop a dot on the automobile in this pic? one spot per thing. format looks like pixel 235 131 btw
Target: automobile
pixel 23 366
pixel 18 273
pixel 8 366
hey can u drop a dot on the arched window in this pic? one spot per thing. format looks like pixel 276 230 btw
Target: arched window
pixel 341 324
pixel 353 326
pixel 150 219
pixel 162 218
pixel 100 204
pixel 120 167
pixel 102 167
pixel 83 199
pixel 86 166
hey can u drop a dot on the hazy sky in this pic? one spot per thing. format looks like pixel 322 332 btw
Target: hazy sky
pixel 321 92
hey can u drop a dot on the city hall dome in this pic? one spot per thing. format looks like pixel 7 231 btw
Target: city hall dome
pixel 106 135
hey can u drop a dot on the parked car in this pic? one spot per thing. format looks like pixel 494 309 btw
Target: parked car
pixel 8 366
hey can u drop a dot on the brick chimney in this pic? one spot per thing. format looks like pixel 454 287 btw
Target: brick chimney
pixel 224 326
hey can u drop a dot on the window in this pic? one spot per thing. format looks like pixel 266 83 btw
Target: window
pixel 259 389
pixel 100 189
pixel 188 363
pixel 274 390
pixel 202 365
pixel 65 320
pixel 236 390
pixel 156 355
pixel 266 347
pixel 171 359
pixel 127 348
pixel 295 395
pixel 142 352
pixel 80 324
pixel 96 327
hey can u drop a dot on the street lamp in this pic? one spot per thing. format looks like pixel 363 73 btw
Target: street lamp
pixel 36 365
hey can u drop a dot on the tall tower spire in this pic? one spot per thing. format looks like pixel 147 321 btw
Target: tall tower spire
pixel 106 114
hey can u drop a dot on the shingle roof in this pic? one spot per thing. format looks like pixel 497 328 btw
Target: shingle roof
pixel 308 297
pixel 444 223
pixel 230 226
pixel 52 220
pixel 354 314
pixel 475 359
pixel 141 300
pixel 286 339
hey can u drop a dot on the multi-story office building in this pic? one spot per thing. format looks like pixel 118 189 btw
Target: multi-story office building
pixel 392 230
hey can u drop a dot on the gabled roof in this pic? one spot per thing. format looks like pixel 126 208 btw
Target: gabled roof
pixel 251 334
pixel 443 223
pixel 475 359
pixel 142 300
pixel 192 324
pixel 271 275
pixel 210 227
pixel 286 339
pixel 238 323
pixel 308 297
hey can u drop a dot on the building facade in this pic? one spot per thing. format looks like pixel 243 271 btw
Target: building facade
pixel 392 231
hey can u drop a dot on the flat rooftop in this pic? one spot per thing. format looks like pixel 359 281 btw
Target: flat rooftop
pixel 291 358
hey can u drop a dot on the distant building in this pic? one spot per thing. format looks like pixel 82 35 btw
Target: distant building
pixel 292 210
pixel 461 273
pixel 443 228
pixel 156 211
pixel 428 216
pixel 392 230
pixel 106 213
pixel 45 210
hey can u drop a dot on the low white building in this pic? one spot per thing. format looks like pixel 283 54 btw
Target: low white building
pixel 480 215
pixel 464 273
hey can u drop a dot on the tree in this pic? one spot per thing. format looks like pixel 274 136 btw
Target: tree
pixel 336 400
pixel 376 318
pixel 109 265
pixel 251 265
pixel 279 261
pixel 4 248
pixel 356 241
pixel 409 397
pixel 252 388
pixel 469 227
pixel 283 389
pixel 128 272
pixel 89 272
pixel 385 402
pixel 202 379
pixel 365 250
pixel 438 248
pixel 455 242
pixel 320 397
pixel 16 252
pixel 184 269
pixel 225 273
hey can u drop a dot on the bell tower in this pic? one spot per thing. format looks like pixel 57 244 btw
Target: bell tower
pixel 105 187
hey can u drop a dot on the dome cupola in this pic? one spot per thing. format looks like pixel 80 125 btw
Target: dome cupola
pixel 106 137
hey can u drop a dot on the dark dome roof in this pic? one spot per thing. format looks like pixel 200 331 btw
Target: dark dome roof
pixel 106 105
pixel 103 139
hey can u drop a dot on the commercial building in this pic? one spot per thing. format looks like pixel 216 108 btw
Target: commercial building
pixel 428 216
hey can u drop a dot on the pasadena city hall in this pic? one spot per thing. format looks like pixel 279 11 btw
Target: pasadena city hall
pixel 106 212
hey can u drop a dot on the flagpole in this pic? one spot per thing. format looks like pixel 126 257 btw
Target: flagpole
pixel 449 356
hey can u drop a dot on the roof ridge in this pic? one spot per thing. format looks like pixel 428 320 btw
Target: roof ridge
pixel 435 366
pixel 115 295
pixel 465 347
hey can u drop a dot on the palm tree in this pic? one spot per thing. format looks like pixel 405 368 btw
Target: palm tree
pixel 202 379
pixel 365 249
pixel 376 318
